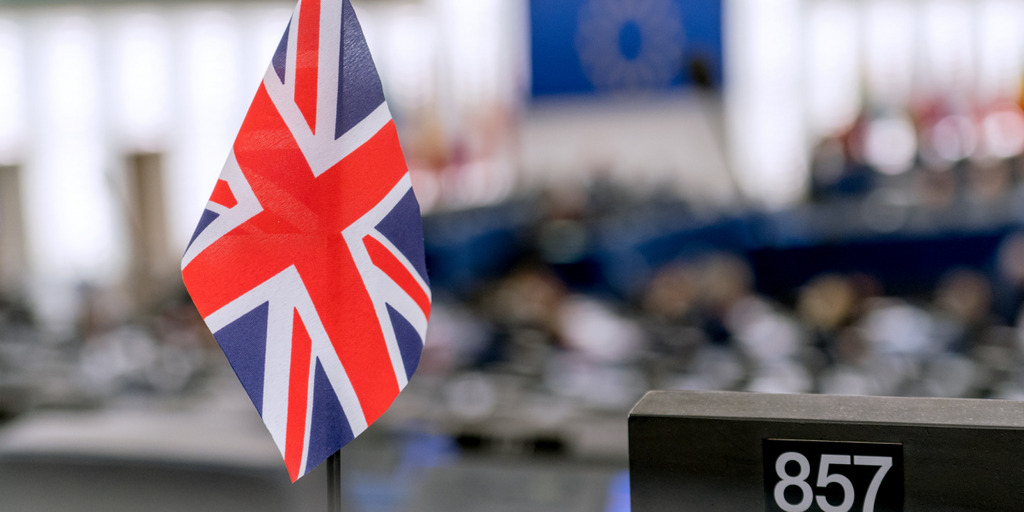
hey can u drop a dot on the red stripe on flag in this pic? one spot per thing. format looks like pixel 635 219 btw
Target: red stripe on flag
pixel 279 175
pixel 307 60
pixel 298 393
pixel 222 195
pixel 387 262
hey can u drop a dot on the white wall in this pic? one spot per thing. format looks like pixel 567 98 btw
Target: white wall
pixel 644 144
pixel 83 87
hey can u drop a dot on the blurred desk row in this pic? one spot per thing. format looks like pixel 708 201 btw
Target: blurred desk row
pixel 212 453
pixel 616 246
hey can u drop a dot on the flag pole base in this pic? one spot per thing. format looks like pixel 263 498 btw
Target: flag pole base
pixel 334 482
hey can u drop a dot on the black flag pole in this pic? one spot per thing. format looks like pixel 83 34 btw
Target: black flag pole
pixel 334 482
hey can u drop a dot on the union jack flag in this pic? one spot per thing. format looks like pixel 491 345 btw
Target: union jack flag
pixel 308 262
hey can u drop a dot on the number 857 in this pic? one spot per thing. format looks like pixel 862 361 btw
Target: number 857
pixel 825 478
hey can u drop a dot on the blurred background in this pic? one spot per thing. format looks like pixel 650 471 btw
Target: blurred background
pixel 820 196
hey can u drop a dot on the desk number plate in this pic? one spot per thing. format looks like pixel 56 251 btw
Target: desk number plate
pixel 827 476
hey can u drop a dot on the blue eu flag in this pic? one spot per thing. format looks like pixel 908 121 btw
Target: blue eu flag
pixel 600 46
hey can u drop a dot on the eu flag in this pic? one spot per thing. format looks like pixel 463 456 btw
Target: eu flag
pixel 615 46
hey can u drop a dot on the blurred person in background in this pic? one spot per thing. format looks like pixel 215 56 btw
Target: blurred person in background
pixel 827 305
pixel 668 314
pixel 980 350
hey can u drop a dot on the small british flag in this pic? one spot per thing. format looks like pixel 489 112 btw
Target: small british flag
pixel 308 262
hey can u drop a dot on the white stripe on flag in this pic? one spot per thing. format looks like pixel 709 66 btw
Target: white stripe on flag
pixel 286 293
pixel 367 270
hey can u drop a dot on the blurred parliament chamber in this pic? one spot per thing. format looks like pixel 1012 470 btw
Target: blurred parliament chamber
pixel 788 196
